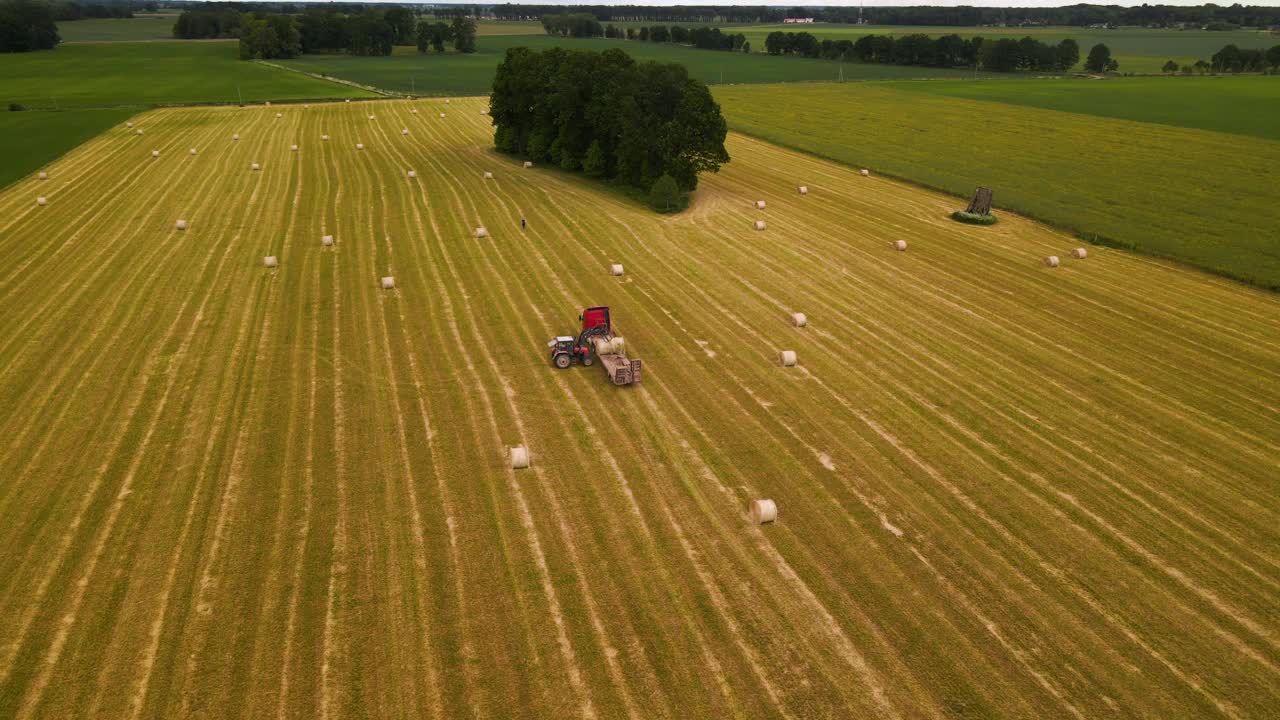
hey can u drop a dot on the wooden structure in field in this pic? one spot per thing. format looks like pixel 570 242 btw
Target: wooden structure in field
pixel 981 202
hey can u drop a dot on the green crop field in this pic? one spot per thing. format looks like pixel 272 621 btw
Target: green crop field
pixel 111 74
pixel 1004 489
pixel 28 140
pixel 157 26
pixel 1241 105
pixel 1204 198
pixel 408 71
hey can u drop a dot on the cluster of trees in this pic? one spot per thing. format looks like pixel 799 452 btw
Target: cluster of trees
pixel 27 25
pixel 265 36
pixel 1233 60
pixel 1002 55
pixel 1209 15
pixel 461 31
pixel 647 126
pixel 705 38
pixel 575 25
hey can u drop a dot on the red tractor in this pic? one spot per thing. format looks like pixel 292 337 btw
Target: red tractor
pixel 596 341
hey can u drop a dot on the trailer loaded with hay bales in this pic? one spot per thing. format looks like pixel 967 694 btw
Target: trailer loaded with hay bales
pixel 596 342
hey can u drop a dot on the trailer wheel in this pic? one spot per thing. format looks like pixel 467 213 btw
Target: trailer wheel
pixel 562 360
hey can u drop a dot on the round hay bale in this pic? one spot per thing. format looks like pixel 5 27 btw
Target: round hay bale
pixel 155 153
pixel 181 225
pixel 43 176
pixel 256 166
pixel 803 189
pixel 235 136
pixel 618 345
pixel 128 124
pixel 763 511
pixel 326 240
pixel 359 146
pixel 306 107
pixel 482 232
pixel 799 319
pixel 270 261
pixel 388 283
pixel 488 175
pixel 324 137
pixel 602 345
pixel 519 458
pixel 268 103
pixel 787 357
pixel 1051 261
pixel 370 117
pixel 139 131
pixel 1079 253
pixel 413 111
pixel 864 172
pixel 279 115
pixel 758 224
pixel 42 200
pixel 294 148
pixel 348 99
pixel 759 204
pixel 615 269
pixel 446 101
pixel 404 131
pixel 900 245
pixel 441 115
pixel 484 112
pixel 413 173
pixel 528 164
pixel 193 151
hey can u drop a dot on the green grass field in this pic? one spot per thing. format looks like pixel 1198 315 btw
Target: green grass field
pixel 1204 198
pixel 157 26
pixel 453 74
pixel 1240 105
pixel 28 140
pixel 112 74
pixel 1004 490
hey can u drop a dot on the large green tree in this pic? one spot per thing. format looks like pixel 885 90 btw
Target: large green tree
pixel 1099 59
pixel 27 25
pixel 463 32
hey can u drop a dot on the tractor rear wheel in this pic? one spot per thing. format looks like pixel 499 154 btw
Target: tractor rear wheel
pixel 562 360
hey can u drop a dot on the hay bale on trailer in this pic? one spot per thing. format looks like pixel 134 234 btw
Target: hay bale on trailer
pixel 1051 261
pixel 900 245
pixel 326 240
pixel 787 357
pixel 799 319
pixel 763 511
pixel 270 261
pixel 803 189
pixel 181 224
pixel 388 283
pixel 615 269
pixel 482 232
pixel 759 204
pixel 1079 253
pixel 519 457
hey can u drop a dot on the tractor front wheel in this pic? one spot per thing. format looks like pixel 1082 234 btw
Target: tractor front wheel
pixel 586 361
pixel 562 360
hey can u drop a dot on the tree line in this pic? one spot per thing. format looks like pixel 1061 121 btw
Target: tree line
pixel 646 126
pixel 1000 55
pixel 584 25
pixel 267 36
pixel 1208 15
pixel 72 10
pixel 1232 59
pixel 27 25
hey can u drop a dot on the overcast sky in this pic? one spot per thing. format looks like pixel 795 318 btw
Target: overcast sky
pixel 899 3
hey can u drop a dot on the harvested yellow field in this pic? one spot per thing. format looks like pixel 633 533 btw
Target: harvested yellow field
pixel 236 491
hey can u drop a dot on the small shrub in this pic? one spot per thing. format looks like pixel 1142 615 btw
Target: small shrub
pixel 973 218
pixel 16 107
pixel 664 196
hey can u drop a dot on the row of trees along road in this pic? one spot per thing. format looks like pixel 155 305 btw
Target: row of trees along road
pixel 27 25
pixel 372 32
pixel 1002 55
pixel 610 117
